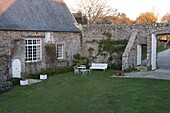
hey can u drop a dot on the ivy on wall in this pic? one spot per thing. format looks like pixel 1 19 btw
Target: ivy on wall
pixel 79 60
pixel 112 46
pixel 51 52
pixel 109 47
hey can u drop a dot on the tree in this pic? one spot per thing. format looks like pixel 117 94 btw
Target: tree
pixel 80 18
pixel 122 19
pixel 119 19
pixel 95 9
pixel 166 18
pixel 146 18
pixel 106 20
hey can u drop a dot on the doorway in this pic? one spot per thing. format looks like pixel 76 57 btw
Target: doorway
pixel 16 68
pixel 163 51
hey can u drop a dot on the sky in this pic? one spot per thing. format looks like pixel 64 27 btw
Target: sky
pixel 133 8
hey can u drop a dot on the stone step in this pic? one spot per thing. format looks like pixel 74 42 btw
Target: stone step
pixel 142 68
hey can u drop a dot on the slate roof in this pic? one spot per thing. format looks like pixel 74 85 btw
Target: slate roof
pixel 36 15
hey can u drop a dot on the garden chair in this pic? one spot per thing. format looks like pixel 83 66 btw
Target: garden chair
pixel 76 71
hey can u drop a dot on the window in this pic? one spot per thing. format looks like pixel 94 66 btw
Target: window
pixel 60 51
pixel 32 50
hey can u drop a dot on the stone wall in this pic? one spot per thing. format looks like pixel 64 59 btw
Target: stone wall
pixel 91 35
pixel 12 45
pixel 4 85
pixel 119 32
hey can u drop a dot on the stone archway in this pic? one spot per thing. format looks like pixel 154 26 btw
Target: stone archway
pixel 157 60
pixel 163 56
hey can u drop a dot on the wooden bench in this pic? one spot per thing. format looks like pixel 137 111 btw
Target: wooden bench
pixel 102 66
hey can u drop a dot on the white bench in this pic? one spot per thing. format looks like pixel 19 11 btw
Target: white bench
pixel 102 66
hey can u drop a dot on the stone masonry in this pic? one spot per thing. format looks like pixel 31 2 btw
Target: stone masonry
pixel 12 45
pixel 120 32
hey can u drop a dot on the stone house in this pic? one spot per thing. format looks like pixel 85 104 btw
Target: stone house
pixel 37 34
pixel 28 27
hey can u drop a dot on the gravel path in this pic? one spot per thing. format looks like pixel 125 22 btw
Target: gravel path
pixel 162 59
pixel 33 81
pixel 163 74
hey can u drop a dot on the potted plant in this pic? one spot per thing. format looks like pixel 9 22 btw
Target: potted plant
pixel 43 76
pixel 117 73
pixel 24 80
pixel 120 73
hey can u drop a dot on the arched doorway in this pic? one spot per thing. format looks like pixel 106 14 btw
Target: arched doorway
pixel 16 68
pixel 163 51
pixel 159 52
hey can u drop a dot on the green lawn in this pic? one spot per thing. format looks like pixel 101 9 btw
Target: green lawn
pixel 159 49
pixel 96 93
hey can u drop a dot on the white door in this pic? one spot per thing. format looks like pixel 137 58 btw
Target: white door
pixel 139 54
pixel 153 53
pixel 16 68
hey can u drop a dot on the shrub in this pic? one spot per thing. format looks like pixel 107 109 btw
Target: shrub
pixel 15 81
pixel 79 60
pixel 64 70
pixel 131 69
pixel 115 66
pixel 53 71
pixel 77 56
pixel 33 76
pixel 49 71
pixel 4 85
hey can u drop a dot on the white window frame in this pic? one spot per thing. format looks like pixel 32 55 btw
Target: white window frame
pixel 33 49
pixel 60 51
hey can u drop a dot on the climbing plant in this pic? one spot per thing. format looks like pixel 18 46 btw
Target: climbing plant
pixel 90 51
pixel 51 52
pixel 79 60
pixel 110 48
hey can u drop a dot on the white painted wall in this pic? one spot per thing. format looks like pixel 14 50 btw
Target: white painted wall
pixel 153 52
pixel 139 54
pixel 49 38
pixel 16 68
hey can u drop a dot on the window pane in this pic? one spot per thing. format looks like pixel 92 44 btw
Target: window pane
pixel 38 41
pixel 60 51
pixel 29 41
pixel 32 50
pixel 26 41
pixel 34 41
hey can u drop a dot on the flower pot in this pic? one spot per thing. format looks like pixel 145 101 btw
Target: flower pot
pixel 43 77
pixel 117 73
pixel 23 82
pixel 122 74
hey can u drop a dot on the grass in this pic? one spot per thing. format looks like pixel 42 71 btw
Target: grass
pixel 159 49
pixel 162 48
pixel 95 93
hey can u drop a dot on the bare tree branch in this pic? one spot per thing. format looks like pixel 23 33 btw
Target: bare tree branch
pixel 95 9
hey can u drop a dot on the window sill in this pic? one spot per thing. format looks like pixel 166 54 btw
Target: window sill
pixel 33 61
pixel 60 58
